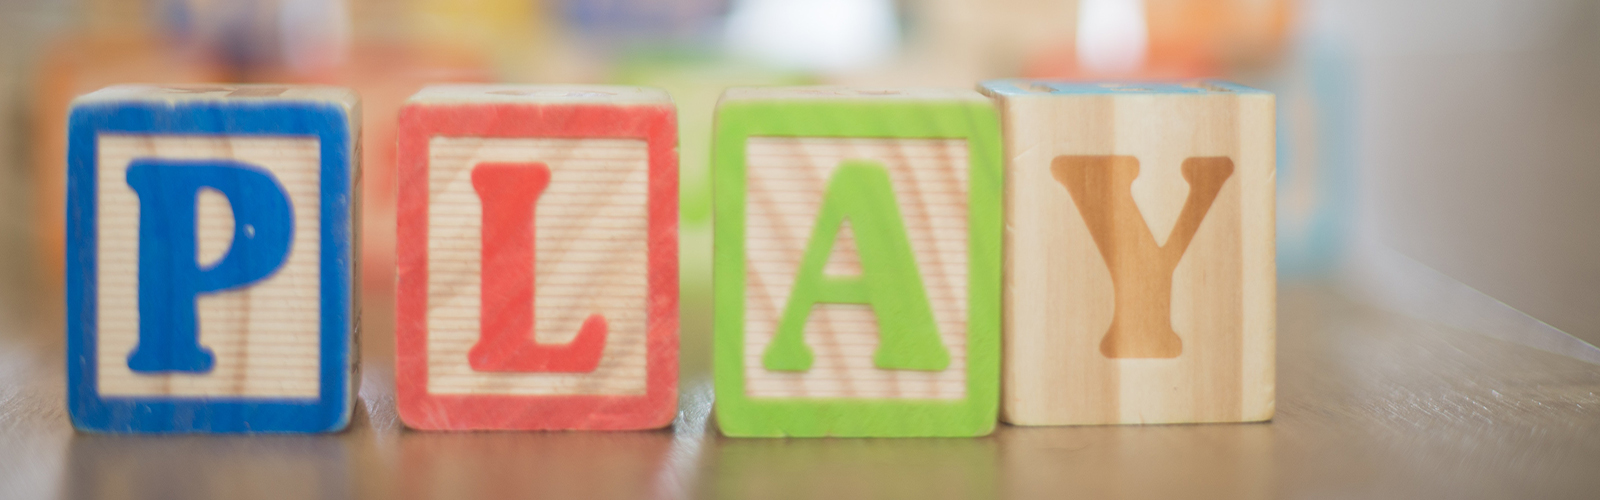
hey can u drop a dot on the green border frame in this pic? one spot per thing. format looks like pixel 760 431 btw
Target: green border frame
pixel 891 117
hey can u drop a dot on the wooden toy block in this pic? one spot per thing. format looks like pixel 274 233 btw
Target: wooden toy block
pixel 210 258
pixel 538 258
pixel 1139 277
pixel 856 262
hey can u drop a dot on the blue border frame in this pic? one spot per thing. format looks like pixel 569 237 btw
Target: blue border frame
pixel 324 120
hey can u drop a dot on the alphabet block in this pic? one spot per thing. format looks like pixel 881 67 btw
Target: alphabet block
pixel 857 262
pixel 1140 285
pixel 210 259
pixel 538 258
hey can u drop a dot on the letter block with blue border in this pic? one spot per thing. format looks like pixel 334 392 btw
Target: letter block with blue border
pixel 856 262
pixel 210 250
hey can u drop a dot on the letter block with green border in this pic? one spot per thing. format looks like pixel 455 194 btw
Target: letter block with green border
pixel 857 262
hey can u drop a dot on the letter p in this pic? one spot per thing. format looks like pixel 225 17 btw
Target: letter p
pixel 170 277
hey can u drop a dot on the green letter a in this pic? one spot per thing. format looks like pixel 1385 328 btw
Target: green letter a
pixel 889 282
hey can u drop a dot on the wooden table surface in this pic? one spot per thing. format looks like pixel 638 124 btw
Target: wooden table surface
pixel 1371 404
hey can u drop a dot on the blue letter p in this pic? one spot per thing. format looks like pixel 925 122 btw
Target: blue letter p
pixel 170 276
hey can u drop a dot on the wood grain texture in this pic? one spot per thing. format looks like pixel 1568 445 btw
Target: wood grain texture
pixel 1141 270
pixel 786 181
pixel 1140 279
pixel 592 228
pixel 604 258
pixel 265 337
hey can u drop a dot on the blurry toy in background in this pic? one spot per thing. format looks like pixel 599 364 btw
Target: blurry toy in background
pixel 515 37
pixel 624 24
pixel 236 34
pixel 314 35
pixel 1316 153
pixel 813 35
pixel 1165 39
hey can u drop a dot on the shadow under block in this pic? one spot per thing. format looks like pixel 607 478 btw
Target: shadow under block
pixel 538 258
pixel 856 262
pixel 1139 278
pixel 210 259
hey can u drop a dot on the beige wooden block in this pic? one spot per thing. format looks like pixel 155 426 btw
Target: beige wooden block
pixel 1139 274
pixel 786 180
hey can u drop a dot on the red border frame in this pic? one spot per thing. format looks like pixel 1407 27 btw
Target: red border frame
pixel 657 125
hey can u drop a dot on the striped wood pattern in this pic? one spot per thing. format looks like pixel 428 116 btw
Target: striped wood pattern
pixel 1059 294
pixel 786 179
pixel 591 230
pixel 265 337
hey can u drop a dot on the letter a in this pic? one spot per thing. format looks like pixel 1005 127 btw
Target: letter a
pixel 170 277
pixel 509 192
pixel 908 338
pixel 1141 270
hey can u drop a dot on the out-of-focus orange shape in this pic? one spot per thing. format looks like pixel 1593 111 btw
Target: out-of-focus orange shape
pixel 1187 39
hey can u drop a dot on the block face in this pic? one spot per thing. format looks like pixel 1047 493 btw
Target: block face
pixel 250 331
pixel 856 262
pixel 786 180
pixel 210 259
pixel 1140 279
pixel 538 258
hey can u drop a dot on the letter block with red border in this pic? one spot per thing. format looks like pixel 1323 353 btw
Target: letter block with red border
pixel 538 258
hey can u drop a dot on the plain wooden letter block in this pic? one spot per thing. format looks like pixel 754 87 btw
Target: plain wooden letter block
pixel 1140 285
pixel 856 262
pixel 538 258
pixel 211 258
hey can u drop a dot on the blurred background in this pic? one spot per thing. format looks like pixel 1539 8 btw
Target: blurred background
pixel 1460 135
pixel 1440 154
